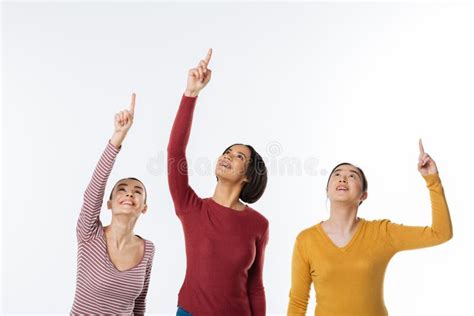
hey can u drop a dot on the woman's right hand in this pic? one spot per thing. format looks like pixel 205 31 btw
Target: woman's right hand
pixel 123 121
pixel 426 164
pixel 198 77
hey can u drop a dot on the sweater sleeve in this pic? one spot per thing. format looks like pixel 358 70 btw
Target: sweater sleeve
pixel 256 290
pixel 184 197
pixel 88 222
pixel 140 301
pixel 300 282
pixel 412 237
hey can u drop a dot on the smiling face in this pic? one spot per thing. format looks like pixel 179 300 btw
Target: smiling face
pixel 232 164
pixel 346 184
pixel 128 197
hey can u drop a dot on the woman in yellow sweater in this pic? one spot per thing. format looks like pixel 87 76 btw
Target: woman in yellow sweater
pixel 346 256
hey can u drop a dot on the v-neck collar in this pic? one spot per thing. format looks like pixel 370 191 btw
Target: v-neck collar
pixel 112 264
pixel 361 223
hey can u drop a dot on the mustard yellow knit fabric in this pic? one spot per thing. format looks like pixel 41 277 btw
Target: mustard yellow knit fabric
pixel 349 280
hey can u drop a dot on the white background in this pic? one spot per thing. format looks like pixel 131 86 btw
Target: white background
pixel 306 84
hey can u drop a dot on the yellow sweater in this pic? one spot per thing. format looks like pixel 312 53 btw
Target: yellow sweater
pixel 349 280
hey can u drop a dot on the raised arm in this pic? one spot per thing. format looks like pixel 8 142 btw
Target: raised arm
pixel 183 195
pixel 412 237
pixel 88 222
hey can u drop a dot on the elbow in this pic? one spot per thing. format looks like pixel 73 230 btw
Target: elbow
pixel 448 236
pixel 81 236
pixel 295 309
pixel 442 237
pixel 174 151
pixel 448 233
pixel 297 304
pixel 172 145
pixel 256 291
pixel 170 149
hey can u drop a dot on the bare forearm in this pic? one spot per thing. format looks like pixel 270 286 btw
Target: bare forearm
pixel 117 139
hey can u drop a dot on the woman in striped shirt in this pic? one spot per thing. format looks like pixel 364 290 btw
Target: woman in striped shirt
pixel 113 264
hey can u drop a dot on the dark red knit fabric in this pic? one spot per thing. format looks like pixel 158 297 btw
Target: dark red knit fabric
pixel 224 247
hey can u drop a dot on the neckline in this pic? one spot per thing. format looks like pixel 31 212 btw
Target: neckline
pixel 230 210
pixel 361 223
pixel 110 259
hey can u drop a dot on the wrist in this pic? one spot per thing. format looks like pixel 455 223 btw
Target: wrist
pixel 431 179
pixel 191 93
pixel 117 139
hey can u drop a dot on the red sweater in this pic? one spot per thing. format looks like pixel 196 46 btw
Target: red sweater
pixel 224 247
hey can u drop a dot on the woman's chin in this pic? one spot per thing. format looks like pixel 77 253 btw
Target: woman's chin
pixel 222 172
pixel 226 175
pixel 343 200
pixel 124 211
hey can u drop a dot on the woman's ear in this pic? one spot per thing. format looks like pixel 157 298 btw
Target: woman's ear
pixel 145 208
pixel 364 196
pixel 109 204
pixel 245 181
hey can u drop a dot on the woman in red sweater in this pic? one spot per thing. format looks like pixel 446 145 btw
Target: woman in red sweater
pixel 225 238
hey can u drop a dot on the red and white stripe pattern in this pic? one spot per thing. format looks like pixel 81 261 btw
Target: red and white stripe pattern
pixel 101 289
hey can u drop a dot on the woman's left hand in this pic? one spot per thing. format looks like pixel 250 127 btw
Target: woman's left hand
pixel 426 164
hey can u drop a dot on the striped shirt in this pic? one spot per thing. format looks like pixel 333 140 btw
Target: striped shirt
pixel 100 287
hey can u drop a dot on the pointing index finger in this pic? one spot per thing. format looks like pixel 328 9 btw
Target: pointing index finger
pixel 208 57
pixel 422 150
pixel 132 103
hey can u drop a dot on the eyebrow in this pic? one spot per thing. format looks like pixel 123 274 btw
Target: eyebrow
pixel 126 185
pixel 230 149
pixel 353 171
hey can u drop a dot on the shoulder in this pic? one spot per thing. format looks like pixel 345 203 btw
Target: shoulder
pixel 256 216
pixel 306 240
pixel 307 233
pixel 149 246
pixel 149 250
pixel 380 226
pixel 378 222
pixel 258 225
